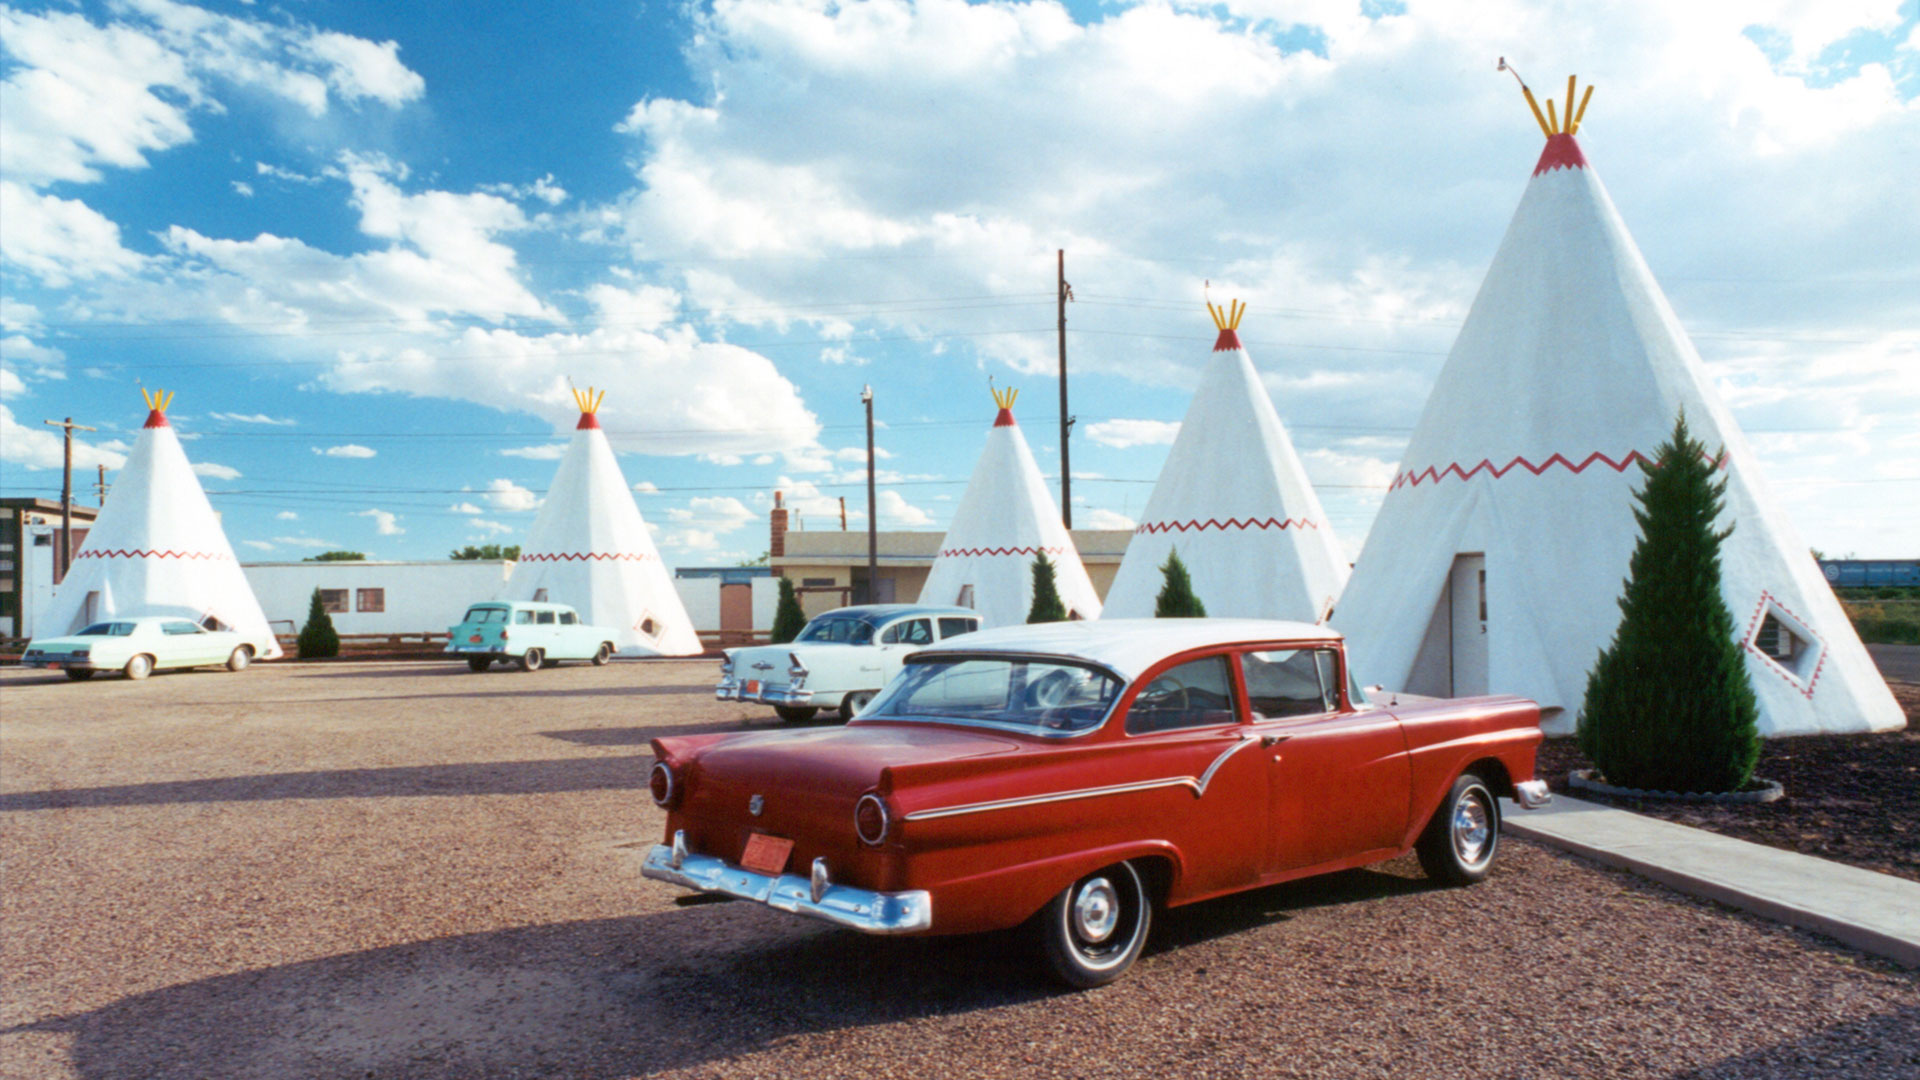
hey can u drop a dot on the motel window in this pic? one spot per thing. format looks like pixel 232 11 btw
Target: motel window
pixel 333 601
pixel 370 600
pixel 816 583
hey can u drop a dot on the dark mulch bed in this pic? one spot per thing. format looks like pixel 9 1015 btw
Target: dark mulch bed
pixel 1854 799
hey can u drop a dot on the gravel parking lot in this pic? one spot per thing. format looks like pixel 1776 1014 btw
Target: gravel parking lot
pixel 374 870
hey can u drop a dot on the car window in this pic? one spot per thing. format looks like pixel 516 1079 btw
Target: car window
pixel 956 627
pixel 842 630
pixel 1045 697
pixel 911 632
pixel 108 629
pixel 176 626
pixel 522 618
pixel 545 618
pixel 1198 693
pixel 485 614
pixel 566 618
pixel 1289 682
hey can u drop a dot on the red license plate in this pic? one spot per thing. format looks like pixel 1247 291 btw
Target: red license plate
pixel 475 639
pixel 766 854
pixel 753 686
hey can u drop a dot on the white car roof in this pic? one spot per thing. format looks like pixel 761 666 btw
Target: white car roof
pixel 1130 646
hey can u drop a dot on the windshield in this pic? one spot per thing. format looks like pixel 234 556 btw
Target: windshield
pixel 486 614
pixel 842 630
pixel 1040 697
pixel 108 629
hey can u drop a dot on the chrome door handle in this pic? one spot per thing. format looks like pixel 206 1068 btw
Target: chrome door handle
pixel 1273 740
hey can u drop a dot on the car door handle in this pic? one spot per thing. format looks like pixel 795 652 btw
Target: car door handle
pixel 1273 740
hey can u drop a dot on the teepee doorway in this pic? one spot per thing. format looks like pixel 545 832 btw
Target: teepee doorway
pixel 1467 604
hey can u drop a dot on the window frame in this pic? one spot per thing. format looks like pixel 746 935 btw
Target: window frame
pixel 336 601
pixel 371 600
pixel 1236 693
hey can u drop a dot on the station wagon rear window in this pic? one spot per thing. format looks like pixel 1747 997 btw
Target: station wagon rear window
pixel 1038 697
pixel 486 614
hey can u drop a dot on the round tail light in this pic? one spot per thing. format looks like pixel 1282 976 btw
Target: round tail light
pixel 871 820
pixel 660 782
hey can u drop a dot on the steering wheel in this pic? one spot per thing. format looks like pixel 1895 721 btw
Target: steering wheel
pixel 1161 692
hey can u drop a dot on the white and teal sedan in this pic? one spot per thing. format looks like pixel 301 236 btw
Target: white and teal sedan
pixel 138 647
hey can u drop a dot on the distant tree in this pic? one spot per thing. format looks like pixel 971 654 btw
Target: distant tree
pixel 1047 606
pixel 764 558
pixel 336 556
pixel 1177 599
pixel 788 619
pixel 489 552
pixel 1669 705
pixel 317 638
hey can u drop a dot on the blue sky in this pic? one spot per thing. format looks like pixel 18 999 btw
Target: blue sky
pixel 368 244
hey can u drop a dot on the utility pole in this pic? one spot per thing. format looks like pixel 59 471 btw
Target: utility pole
pixel 66 497
pixel 100 485
pixel 1065 293
pixel 873 517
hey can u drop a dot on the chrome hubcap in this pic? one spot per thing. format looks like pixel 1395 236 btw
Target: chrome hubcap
pixel 1096 910
pixel 1472 828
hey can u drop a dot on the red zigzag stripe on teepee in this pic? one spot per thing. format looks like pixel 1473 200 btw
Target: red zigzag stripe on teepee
pixel 1435 475
pixel 1002 551
pixel 141 553
pixel 1196 525
pixel 585 556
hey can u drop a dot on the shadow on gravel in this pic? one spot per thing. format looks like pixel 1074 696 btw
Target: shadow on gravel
pixel 1180 927
pixel 595 999
pixel 1884 1045
pixel 474 778
pixel 472 690
pixel 641 736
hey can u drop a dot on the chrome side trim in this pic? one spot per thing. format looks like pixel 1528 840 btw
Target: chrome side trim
pixel 1532 794
pixel 859 909
pixel 1198 784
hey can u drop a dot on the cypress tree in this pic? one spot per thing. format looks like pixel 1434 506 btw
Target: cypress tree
pixel 1668 705
pixel 317 638
pixel 1047 606
pixel 788 619
pixel 1177 599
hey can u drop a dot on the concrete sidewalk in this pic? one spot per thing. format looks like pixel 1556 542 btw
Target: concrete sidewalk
pixel 1874 913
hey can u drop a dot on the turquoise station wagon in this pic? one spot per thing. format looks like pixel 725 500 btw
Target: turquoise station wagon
pixel 530 634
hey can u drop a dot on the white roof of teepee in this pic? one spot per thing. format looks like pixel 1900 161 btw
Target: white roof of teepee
pixel 1005 520
pixel 1570 369
pixel 157 549
pixel 1233 500
pixel 590 549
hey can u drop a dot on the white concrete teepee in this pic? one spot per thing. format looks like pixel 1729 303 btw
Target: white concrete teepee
pixel 590 549
pixel 1004 521
pixel 1498 557
pixel 1233 500
pixel 157 549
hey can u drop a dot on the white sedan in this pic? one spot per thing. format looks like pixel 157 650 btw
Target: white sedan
pixel 840 661
pixel 137 647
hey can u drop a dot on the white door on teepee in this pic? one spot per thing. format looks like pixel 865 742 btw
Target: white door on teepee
pixel 1568 373
pixel 590 549
pixel 157 548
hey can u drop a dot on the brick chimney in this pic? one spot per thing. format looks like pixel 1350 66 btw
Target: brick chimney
pixel 777 540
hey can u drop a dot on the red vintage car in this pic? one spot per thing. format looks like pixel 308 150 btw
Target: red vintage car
pixel 1077 774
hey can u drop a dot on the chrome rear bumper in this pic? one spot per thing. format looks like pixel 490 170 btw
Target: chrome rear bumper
pixel 813 896
pixel 1532 794
pixel 734 690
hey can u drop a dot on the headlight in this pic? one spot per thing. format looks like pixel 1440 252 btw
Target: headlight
pixel 871 820
pixel 660 781
pixel 796 672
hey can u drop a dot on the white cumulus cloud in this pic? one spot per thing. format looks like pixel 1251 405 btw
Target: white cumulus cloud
pixel 347 450
pixel 385 522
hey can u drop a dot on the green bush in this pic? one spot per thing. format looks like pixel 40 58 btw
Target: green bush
pixel 318 639
pixel 788 619
pixel 1669 705
pixel 1047 606
pixel 1176 599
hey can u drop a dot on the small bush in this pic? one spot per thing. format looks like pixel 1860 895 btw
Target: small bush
pixel 1177 599
pixel 1047 606
pixel 318 640
pixel 788 619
